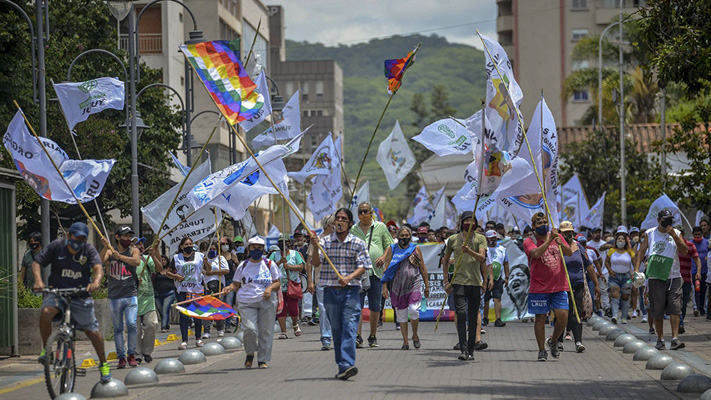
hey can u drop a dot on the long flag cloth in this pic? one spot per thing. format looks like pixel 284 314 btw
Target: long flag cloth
pixel 421 207
pixel 86 178
pixel 395 157
pixel 363 194
pixel 265 111
pixel 574 206
pixel 327 190
pixel 663 202
pixel 81 99
pixel 286 127
pixel 395 68
pixel 321 161
pixel 208 308
pixel 227 82
pixel 594 217
pixel 446 137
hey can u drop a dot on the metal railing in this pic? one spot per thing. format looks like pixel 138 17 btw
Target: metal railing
pixel 149 43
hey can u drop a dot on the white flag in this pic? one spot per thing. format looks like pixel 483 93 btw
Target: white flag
pixel 503 99
pixel 81 99
pixel 287 127
pixel 327 190
pixel 699 216
pixel 266 110
pixel 197 226
pixel 395 157
pixel 250 229
pixel 362 194
pixel 594 217
pixel 575 205
pixel 661 203
pixel 446 137
pixel 85 177
pixel 441 216
pixel 321 161
pixel 273 232
pixel 421 207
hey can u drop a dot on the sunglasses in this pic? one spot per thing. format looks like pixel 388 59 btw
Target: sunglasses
pixel 361 212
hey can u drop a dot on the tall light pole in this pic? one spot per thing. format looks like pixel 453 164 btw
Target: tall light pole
pixel 599 72
pixel 623 167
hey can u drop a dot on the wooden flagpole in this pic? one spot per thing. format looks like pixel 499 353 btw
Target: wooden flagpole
pixel 251 48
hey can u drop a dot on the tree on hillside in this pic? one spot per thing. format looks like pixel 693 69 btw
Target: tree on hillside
pixel 100 136
pixel 439 104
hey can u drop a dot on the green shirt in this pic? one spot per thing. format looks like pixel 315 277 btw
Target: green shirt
pixel 469 272
pixel 379 242
pixel 146 298
pixel 293 258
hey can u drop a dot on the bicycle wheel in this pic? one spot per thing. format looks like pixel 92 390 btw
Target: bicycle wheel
pixel 60 369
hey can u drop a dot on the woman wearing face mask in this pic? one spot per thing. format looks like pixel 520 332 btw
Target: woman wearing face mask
pixel 187 267
pixel 164 288
pixel 214 271
pixel 577 265
pixel 619 263
pixel 290 264
pixel 256 282
pixel 405 268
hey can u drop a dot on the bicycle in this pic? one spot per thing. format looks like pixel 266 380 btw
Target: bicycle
pixel 60 370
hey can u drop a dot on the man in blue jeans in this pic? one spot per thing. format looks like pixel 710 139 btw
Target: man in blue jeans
pixel 123 291
pixel 350 258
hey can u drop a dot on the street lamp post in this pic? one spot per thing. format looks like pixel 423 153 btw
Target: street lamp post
pixel 623 167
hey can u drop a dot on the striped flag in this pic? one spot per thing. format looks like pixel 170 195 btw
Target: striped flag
pixel 208 308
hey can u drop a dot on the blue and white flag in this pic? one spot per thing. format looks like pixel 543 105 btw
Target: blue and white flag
pixel 86 178
pixel 421 207
pixel 184 170
pixel 321 162
pixel 327 190
pixel 574 205
pixel 265 111
pixel 286 127
pixel 594 217
pixel 81 99
pixel 361 195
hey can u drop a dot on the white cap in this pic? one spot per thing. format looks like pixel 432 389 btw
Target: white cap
pixel 256 240
pixel 491 234
pixel 621 229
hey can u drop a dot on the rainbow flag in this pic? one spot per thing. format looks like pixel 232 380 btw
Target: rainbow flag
pixel 395 69
pixel 207 307
pixel 220 69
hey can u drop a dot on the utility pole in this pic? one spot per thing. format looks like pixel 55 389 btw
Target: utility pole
pixel 623 167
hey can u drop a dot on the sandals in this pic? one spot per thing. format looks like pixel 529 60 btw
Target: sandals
pixel 249 361
pixel 405 347
pixel 416 343
pixel 297 330
pixel 283 335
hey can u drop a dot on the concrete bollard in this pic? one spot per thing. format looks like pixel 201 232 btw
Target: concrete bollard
pixel 169 366
pixel 212 349
pixel 599 324
pixel 659 362
pixel 614 333
pixel 694 383
pixel 190 357
pixel 645 353
pixel 622 340
pixel 70 396
pixel 633 346
pixel 231 343
pixel 110 389
pixel 140 376
pixel 676 371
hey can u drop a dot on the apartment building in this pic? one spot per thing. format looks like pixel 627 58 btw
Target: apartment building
pixel 539 37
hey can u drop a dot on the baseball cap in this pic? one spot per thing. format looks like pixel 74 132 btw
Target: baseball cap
pixel 665 214
pixel 138 240
pixel 465 215
pixel 123 229
pixel 491 234
pixel 391 223
pixel 566 226
pixel 622 229
pixel 581 239
pixel 238 239
pixel 79 229
pixel 256 240
pixel 634 229
pixel 274 248
pixel 422 229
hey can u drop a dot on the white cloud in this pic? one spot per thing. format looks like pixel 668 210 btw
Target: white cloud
pixel 349 22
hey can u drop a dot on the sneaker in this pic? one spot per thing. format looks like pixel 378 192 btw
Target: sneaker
pixel 485 321
pixel 132 360
pixel 372 341
pixel 263 365
pixel 164 330
pixel 220 333
pixel 568 337
pixel 325 346
pixel 560 346
pixel 311 322
pixel 359 342
pixel 542 355
pixel 206 335
pixel 121 363
pixel 397 326
pixel 677 344
pixel 579 347
pixel 42 358
pixel 183 346
pixel 470 357
pixel 644 319
pixel 463 356
pixel 681 329
pixel 147 358
pixel 248 361
pixel 553 348
pixel 483 332
pixel 380 323
pixel 634 314
pixel 457 346
pixel 105 372
pixel 614 320
pixel 660 345
pixel 499 323
pixel 349 373
pixel 651 331
pixel 696 312
pixel 624 321
pixel 480 345
pixel 199 343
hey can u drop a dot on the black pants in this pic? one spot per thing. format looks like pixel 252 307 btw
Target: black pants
pixel 701 296
pixel 466 303
pixel 573 324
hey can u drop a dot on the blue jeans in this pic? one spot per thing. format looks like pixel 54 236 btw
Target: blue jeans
pixel 343 309
pixel 323 322
pixel 128 307
pixel 163 303
pixel 185 321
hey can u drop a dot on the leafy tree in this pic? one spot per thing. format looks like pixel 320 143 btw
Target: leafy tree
pixel 75 26
pixel 439 99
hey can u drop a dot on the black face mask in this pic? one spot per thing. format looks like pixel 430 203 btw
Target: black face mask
pixel 404 242
pixel 188 250
pixel 34 246
pixel 667 221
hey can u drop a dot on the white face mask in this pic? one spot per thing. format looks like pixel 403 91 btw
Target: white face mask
pixel 621 245
pixel 225 247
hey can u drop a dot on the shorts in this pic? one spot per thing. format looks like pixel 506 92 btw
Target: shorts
pixel 414 310
pixel 374 293
pixel 621 281
pixel 542 303
pixel 83 316
pixel 291 307
pixel 496 292
pixel 665 297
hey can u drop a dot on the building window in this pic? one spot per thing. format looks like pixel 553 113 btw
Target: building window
pixel 305 113
pixel 580 64
pixel 314 141
pixel 579 5
pixel 289 90
pixel 319 90
pixel 226 32
pixel 579 34
pixel 581 95
pixel 304 87
pixel 319 113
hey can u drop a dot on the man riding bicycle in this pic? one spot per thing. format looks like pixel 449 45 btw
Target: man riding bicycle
pixel 73 261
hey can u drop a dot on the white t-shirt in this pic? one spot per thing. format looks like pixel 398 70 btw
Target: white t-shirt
pixel 191 270
pixel 621 263
pixel 217 266
pixel 662 247
pixel 254 279
pixel 496 256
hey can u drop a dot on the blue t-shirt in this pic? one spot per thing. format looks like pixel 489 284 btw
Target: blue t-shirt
pixel 68 270
pixel 575 265
pixel 703 249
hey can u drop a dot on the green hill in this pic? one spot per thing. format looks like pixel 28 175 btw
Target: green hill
pixel 459 68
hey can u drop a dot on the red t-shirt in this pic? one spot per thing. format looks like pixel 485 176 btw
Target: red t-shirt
pixel 547 273
pixel 685 261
